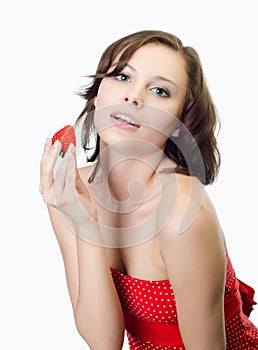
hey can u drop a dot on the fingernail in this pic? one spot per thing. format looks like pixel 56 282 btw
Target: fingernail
pixel 57 143
pixel 48 141
pixel 71 148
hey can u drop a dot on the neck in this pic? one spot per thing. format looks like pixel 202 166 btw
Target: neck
pixel 131 171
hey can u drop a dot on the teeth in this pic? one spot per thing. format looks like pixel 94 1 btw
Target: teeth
pixel 126 119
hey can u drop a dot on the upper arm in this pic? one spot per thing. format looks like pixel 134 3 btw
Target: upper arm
pixel 195 262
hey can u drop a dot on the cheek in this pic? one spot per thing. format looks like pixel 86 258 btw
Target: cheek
pixel 177 108
pixel 106 95
pixel 159 121
pixel 98 101
pixel 100 98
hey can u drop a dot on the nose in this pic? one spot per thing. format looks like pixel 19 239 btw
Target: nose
pixel 135 101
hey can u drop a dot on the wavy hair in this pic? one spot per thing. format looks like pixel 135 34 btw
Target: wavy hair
pixel 199 114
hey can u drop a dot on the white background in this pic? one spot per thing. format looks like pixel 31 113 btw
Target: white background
pixel 46 48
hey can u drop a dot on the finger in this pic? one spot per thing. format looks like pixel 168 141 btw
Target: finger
pixel 48 161
pixel 46 148
pixel 40 189
pixel 71 190
pixel 42 163
pixel 71 171
pixel 60 178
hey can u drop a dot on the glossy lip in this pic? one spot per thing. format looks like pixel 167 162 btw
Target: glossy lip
pixel 124 124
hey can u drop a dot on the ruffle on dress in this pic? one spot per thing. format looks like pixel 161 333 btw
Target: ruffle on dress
pixel 247 297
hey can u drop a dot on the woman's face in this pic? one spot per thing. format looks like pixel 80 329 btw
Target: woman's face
pixel 145 100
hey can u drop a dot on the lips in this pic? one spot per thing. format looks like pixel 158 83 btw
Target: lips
pixel 125 118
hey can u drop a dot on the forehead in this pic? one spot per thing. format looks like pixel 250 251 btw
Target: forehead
pixel 159 60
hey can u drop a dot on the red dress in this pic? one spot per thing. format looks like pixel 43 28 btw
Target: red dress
pixel 151 318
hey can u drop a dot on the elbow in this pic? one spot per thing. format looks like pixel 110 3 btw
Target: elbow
pixel 79 326
pixel 96 337
pixel 84 328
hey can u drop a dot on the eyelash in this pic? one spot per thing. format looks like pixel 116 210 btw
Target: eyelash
pixel 163 93
pixel 120 75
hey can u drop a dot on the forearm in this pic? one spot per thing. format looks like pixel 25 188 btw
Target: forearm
pixel 96 306
pixel 98 312
pixel 67 244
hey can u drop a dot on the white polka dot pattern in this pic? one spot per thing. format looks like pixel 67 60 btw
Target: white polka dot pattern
pixel 154 301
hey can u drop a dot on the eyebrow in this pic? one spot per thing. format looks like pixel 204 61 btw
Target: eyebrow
pixel 157 77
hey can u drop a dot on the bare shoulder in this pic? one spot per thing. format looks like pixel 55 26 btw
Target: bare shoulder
pixel 192 244
pixel 194 221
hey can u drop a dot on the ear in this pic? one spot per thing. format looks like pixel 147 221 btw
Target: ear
pixel 175 132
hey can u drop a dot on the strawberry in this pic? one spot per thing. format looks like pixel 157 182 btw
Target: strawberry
pixel 66 136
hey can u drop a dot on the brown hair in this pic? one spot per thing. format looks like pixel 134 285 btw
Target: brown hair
pixel 198 116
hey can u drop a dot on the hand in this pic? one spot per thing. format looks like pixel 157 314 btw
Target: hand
pixel 67 192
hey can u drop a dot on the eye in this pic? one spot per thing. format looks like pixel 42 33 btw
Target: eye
pixel 123 77
pixel 160 91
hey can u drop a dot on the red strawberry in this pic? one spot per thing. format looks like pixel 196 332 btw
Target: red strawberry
pixel 66 136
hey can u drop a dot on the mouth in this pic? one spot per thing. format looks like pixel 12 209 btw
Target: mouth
pixel 126 119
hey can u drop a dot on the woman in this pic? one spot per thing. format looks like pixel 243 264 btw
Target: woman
pixel 142 246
